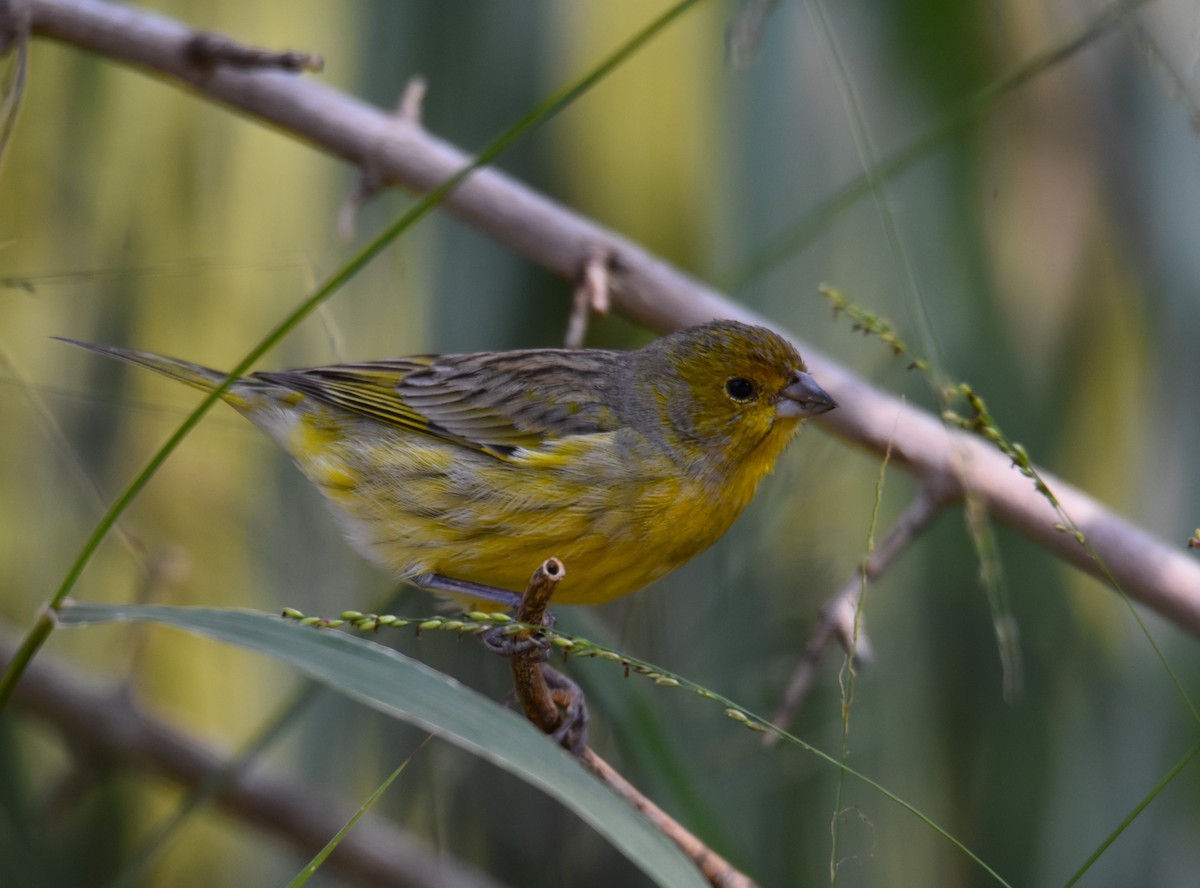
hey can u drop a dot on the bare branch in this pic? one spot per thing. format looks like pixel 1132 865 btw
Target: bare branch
pixel 719 872
pixel 838 613
pixel 529 681
pixel 1159 575
pixel 110 725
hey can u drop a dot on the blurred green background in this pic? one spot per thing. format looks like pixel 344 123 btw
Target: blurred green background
pixel 1053 244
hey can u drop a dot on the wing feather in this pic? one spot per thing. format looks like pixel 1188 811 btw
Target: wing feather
pixel 491 402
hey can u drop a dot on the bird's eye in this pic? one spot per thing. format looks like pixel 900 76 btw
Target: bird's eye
pixel 739 389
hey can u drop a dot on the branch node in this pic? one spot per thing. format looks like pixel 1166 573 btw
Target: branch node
pixel 593 293
pixel 408 112
pixel 412 100
pixel 208 51
pixel 840 613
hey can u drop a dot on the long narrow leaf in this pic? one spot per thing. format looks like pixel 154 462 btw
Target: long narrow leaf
pixel 410 690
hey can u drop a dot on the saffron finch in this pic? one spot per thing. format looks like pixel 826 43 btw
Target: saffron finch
pixel 460 473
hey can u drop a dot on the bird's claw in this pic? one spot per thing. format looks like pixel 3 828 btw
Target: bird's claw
pixel 571 733
pixel 500 642
pixel 500 639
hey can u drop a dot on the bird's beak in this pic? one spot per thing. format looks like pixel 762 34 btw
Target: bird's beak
pixel 803 397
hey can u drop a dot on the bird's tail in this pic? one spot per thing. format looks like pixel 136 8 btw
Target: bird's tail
pixel 194 375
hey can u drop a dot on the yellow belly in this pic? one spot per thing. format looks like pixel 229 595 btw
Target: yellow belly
pixel 617 512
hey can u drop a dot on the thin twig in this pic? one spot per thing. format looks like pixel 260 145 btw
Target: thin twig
pixel 412 100
pixel 528 680
pixel 715 868
pixel 838 613
pixel 592 294
pixel 370 180
pixel 108 725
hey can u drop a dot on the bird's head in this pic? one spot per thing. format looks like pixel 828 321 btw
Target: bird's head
pixel 727 391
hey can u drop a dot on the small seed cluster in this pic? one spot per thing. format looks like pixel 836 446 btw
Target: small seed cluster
pixel 870 324
pixel 478 622
pixel 980 421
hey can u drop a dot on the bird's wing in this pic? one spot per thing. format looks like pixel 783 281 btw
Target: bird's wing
pixel 492 402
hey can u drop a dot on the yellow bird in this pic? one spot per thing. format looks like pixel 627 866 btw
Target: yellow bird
pixel 462 473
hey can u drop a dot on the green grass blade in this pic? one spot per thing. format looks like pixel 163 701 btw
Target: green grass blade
pixel 1133 815
pixel 410 690
pixel 313 865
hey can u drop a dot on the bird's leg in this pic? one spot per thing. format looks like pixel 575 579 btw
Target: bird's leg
pixel 500 642
pixel 434 582
pixel 500 639
pixel 496 640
